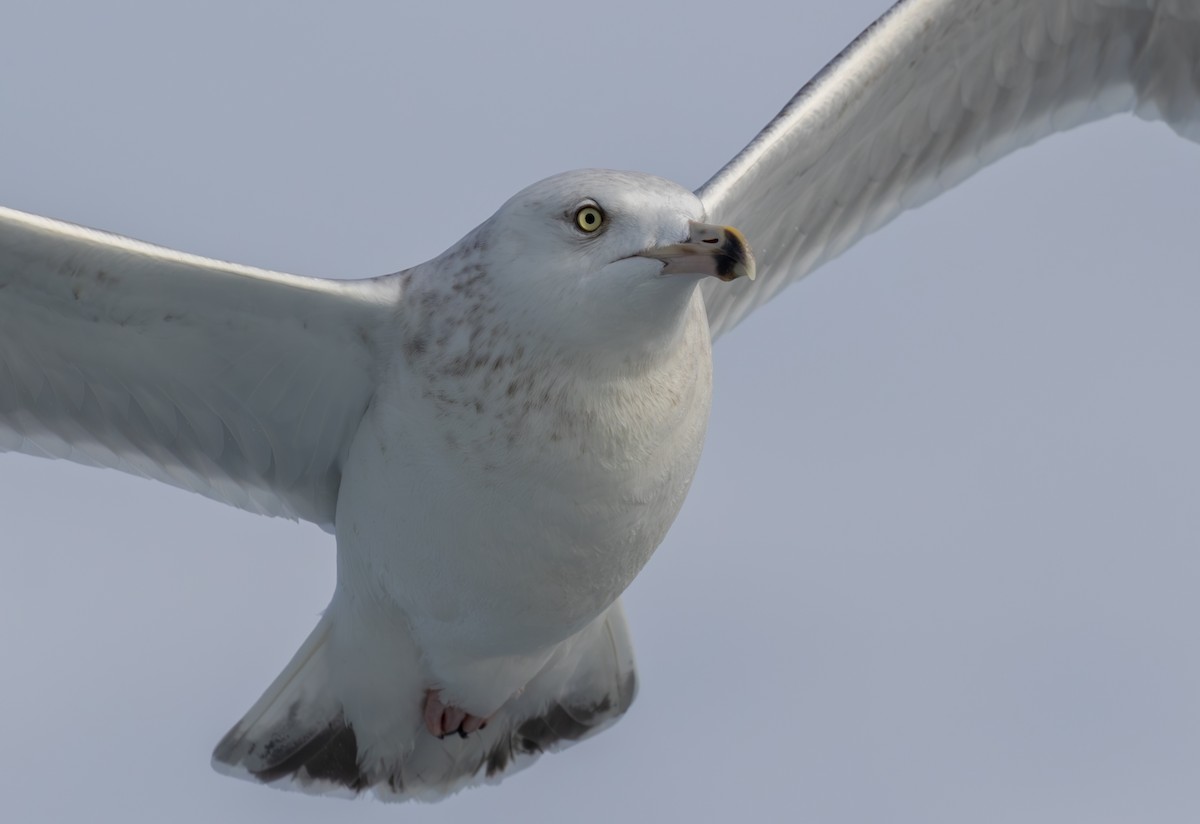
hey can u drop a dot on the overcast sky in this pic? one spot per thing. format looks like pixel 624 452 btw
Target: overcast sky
pixel 940 562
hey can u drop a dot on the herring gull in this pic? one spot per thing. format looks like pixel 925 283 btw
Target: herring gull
pixel 254 387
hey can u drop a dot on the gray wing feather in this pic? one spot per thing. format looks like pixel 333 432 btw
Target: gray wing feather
pixel 933 91
pixel 238 383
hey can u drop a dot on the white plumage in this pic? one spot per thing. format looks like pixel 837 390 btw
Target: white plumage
pixel 842 161
pixel 934 91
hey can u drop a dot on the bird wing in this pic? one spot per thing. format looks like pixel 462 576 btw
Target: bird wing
pixel 930 93
pixel 238 383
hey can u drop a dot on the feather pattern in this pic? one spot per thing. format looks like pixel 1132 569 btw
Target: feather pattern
pixel 238 383
pixel 929 94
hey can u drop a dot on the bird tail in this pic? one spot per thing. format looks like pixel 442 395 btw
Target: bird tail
pixel 296 729
pixel 298 737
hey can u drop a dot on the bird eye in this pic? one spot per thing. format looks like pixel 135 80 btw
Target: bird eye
pixel 589 218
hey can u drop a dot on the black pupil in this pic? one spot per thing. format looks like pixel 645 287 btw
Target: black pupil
pixel 589 218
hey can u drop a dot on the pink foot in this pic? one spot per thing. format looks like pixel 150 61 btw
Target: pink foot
pixel 441 720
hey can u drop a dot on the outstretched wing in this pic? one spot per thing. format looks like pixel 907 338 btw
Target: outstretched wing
pixel 238 383
pixel 932 92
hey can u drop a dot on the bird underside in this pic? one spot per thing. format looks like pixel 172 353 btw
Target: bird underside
pixel 442 720
pixel 300 736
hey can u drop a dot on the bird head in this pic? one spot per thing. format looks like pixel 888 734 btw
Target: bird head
pixel 620 253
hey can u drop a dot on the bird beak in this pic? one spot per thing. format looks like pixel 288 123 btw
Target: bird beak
pixel 720 251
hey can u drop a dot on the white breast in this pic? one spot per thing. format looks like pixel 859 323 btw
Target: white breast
pixel 532 497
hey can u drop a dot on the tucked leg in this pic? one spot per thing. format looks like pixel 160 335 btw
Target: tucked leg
pixel 442 720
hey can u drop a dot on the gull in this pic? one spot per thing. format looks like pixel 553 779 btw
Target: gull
pixel 501 436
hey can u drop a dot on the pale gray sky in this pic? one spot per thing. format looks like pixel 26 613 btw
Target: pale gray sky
pixel 940 563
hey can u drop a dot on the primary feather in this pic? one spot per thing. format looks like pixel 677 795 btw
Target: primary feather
pixel 928 95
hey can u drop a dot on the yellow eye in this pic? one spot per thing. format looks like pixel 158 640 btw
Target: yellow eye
pixel 589 218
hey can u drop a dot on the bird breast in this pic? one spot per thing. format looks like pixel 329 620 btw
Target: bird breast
pixel 503 492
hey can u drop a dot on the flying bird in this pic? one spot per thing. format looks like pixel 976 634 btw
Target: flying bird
pixel 500 437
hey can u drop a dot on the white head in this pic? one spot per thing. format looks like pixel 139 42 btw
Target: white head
pixel 614 253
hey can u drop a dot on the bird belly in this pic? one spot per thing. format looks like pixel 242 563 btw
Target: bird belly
pixel 500 541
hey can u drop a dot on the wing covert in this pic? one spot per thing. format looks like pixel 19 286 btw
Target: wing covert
pixel 238 383
pixel 930 93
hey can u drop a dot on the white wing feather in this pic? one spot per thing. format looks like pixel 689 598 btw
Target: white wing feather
pixel 241 384
pixel 932 92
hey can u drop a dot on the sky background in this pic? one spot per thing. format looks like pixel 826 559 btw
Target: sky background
pixel 939 564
